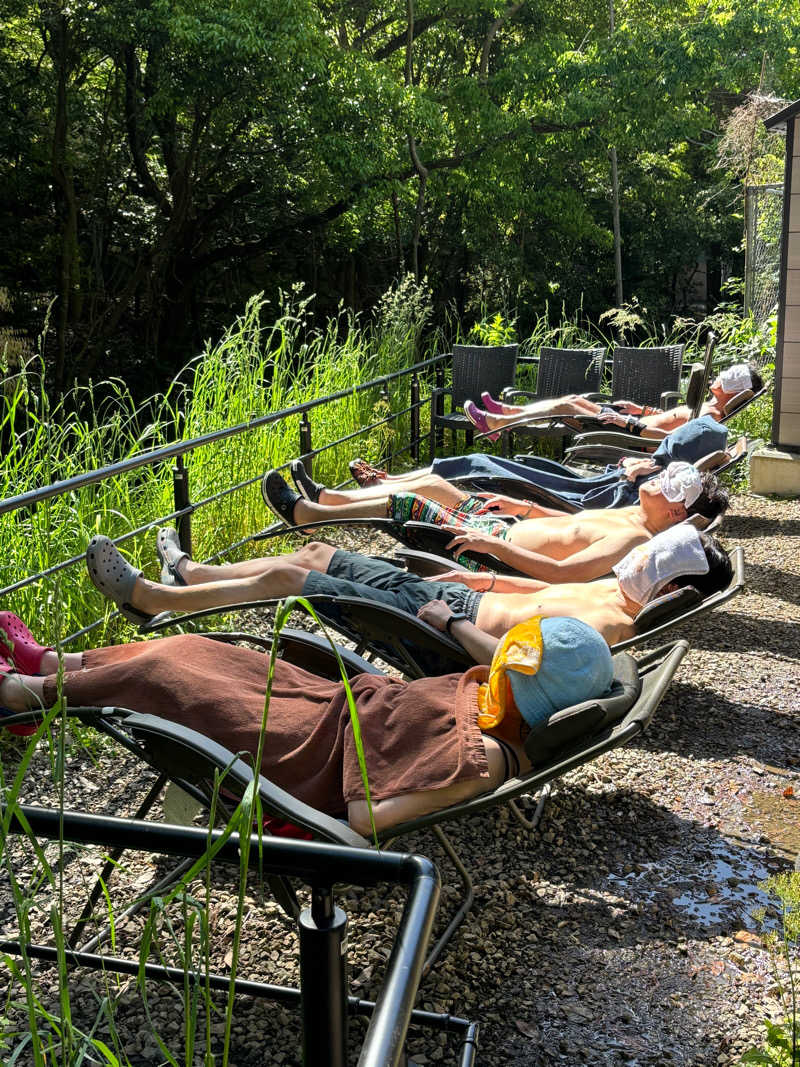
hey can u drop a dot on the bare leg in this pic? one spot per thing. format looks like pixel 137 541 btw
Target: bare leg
pixel 542 409
pixel 73 661
pixel 19 692
pixel 424 484
pixel 312 557
pixel 282 579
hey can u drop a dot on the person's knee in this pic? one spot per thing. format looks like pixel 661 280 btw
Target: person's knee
pixel 285 578
pixel 315 556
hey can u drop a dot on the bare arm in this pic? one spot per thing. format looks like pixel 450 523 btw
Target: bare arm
pixel 507 505
pixel 479 644
pixel 591 562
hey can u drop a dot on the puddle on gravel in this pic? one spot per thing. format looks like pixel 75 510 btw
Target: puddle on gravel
pixel 778 818
pixel 721 888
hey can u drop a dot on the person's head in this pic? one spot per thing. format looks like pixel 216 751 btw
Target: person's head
pixel 680 491
pixel 549 665
pixel 719 573
pixel 672 559
pixel 734 380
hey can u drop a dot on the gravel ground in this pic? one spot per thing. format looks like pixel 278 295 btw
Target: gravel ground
pixel 619 932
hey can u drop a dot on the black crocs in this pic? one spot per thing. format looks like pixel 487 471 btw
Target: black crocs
pixel 279 497
pixel 307 487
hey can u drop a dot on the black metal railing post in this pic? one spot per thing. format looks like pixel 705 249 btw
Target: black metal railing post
pixel 437 408
pixel 180 489
pixel 306 446
pixel 386 405
pixel 415 417
pixel 323 981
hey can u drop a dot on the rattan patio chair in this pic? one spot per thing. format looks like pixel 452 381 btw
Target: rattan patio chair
pixel 475 368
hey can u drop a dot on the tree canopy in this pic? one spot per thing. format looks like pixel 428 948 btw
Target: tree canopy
pixel 160 161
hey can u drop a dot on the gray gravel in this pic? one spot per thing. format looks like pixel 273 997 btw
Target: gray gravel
pixel 619 932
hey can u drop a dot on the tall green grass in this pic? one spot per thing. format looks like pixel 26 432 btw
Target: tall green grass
pixel 253 370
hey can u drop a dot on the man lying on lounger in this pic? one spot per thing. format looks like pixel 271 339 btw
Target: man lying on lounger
pixel 427 744
pixel 639 419
pixel 476 609
pixel 700 439
pixel 543 544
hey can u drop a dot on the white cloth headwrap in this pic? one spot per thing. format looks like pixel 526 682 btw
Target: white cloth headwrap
pixel 649 567
pixel 681 481
pixel 736 379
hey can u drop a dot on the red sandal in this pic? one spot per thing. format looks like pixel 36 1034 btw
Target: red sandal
pixel 24 650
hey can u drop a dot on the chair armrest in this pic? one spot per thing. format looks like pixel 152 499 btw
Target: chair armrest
pixel 669 399
pixel 630 442
pixel 510 395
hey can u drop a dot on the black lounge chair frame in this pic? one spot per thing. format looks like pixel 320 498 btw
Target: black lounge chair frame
pixel 570 738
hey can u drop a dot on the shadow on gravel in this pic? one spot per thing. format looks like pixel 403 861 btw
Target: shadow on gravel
pixel 774 581
pixel 697 724
pixel 599 930
pixel 742 526
pixel 733 631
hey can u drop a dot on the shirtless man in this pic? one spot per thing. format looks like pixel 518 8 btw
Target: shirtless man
pixel 471 607
pixel 544 544
pixel 641 420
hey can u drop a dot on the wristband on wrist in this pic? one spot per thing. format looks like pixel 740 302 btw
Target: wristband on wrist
pixel 457 616
pixel 490 586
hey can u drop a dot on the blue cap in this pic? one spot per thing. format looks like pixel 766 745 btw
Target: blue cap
pixel 576 666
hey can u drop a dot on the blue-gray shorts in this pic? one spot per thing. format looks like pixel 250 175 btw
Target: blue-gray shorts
pixel 351 574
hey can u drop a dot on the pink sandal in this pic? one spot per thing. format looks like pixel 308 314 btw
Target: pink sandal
pixel 478 420
pixel 24 650
pixel 494 407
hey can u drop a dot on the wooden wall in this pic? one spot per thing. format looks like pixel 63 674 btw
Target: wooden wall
pixel 786 420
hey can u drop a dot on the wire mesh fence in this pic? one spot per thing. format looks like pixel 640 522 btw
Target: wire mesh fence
pixel 763 215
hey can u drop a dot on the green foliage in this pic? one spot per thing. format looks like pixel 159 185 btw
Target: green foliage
pixel 254 369
pixel 160 163
pixel 782 1048
pixel 495 331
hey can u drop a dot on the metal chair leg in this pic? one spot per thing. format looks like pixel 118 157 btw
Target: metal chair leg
pixel 466 903
pixel 113 854
pixel 531 824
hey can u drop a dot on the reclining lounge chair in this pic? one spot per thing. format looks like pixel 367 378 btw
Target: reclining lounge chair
pixel 570 738
pixel 418 650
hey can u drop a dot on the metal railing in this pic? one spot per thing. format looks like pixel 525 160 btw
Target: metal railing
pixel 422 393
pixel 322 928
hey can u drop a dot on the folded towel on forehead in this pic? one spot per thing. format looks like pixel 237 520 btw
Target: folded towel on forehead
pixel 736 379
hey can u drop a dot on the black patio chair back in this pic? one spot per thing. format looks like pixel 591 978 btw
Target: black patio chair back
pixel 476 368
pixel 569 370
pixel 645 375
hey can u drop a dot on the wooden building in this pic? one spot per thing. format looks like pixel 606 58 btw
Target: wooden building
pixel 786 411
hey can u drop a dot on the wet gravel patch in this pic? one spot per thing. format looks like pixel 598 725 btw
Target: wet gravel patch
pixel 620 931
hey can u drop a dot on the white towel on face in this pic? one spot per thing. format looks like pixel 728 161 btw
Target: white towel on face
pixel 681 481
pixel 736 379
pixel 648 568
